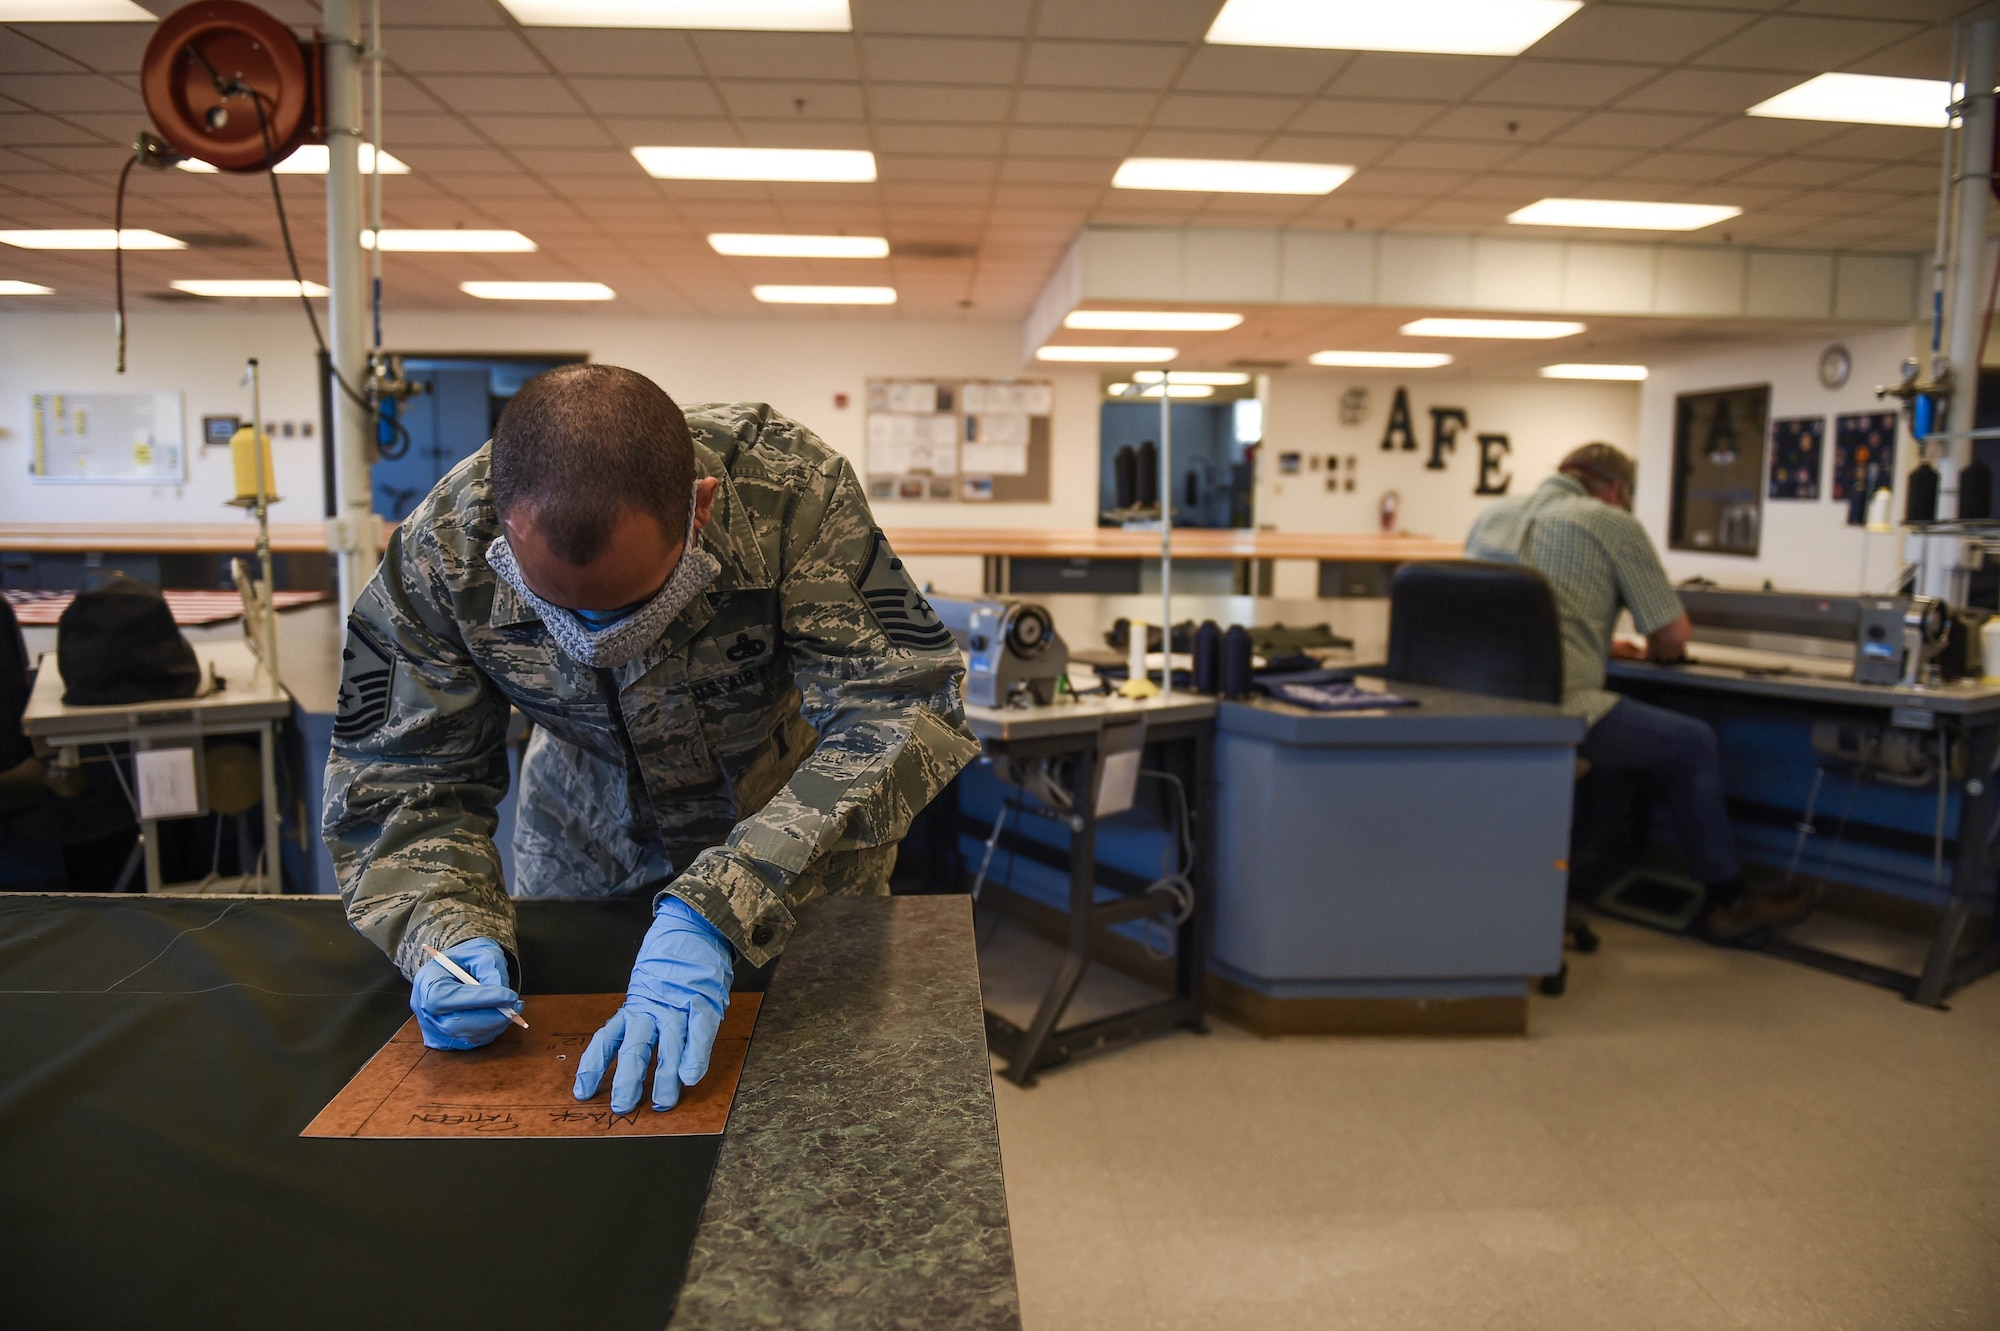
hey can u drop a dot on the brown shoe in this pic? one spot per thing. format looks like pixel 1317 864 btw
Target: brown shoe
pixel 1755 914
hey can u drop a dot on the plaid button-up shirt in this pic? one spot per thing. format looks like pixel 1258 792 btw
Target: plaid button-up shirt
pixel 1598 559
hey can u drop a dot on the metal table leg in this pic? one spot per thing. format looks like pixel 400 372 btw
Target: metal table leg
pixel 1022 1058
pixel 1972 869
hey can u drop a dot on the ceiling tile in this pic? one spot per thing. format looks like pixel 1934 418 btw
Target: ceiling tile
pixel 1927 55
pixel 1915 178
pixel 458 161
pixel 1808 45
pixel 1047 106
pixel 803 101
pixel 578 132
pixel 434 131
pixel 1052 141
pixel 1517 124
pixel 1343 150
pixel 70 92
pixel 462 51
pixel 1102 64
pixel 1623 129
pixel 1683 167
pixel 1751 134
pixel 1220 111
pixel 1183 21
pixel 109 48
pixel 573 161
pixel 1568 161
pixel 438 13
pixel 899 101
pixel 642 131
pixel 1330 116
pixel 1635 32
pixel 1887 144
pixel 612 51
pixel 1562 83
pixel 1798 172
pixel 21 55
pixel 951 59
pixel 1197 143
pixel 845 135
pixel 649 97
pixel 969 18
pixel 1424 155
pixel 962 139
pixel 1382 180
pixel 1711 91
pixel 42 131
pixel 779 55
pixel 959 169
pixel 474 93
pixel 1259 69
pixel 1063 170
pixel 1413 77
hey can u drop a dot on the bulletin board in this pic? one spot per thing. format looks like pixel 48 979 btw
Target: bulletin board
pixel 959 440
pixel 106 439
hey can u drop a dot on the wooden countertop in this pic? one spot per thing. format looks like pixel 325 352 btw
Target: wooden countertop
pixel 1023 543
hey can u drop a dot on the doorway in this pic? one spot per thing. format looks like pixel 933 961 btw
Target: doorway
pixel 446 423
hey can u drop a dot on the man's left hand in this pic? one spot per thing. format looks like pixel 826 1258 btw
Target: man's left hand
pixel 679 991
pixel 1626 650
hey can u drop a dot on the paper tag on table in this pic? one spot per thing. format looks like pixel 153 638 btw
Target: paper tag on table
pixel 166 782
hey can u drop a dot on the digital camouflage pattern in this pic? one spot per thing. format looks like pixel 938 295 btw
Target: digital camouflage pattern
pixel 772 746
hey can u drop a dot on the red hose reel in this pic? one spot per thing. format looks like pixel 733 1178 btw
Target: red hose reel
pixel 209 70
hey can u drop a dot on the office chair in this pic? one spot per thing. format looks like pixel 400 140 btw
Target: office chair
pixel 1483 628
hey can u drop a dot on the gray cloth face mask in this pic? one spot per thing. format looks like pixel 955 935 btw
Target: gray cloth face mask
pixel 632 635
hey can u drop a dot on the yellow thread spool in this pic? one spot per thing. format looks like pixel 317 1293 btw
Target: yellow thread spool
pixel 243 460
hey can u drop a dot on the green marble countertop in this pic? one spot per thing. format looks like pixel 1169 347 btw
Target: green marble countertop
pixel 859 1181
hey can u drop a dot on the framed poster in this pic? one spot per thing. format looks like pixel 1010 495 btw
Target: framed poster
pixel 1797 446
pixel 1718 480
pixel 1864 460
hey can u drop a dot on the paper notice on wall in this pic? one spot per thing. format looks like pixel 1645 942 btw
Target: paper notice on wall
pixel 914 398
pixel 1020 399
pixel 996 443
pixel 901 444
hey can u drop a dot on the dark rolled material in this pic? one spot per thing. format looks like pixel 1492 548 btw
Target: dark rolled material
pixel 1921 506
pixel 1149 473
pixel 1207 657
pixel 1975 490
pixel 1125 477
pixel 1236 662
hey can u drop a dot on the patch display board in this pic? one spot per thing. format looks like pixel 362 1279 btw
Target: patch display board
pixel 106 439
pixel 972 440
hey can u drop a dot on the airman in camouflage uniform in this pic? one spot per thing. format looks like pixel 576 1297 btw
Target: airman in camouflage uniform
pixel 773 745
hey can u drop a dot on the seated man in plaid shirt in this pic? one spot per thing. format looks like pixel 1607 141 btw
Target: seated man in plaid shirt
pixel 1578 531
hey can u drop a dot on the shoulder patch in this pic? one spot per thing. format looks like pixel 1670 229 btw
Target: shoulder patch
pixel 367 673
pixel 905 616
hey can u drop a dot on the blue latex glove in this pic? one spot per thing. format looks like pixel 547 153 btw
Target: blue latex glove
pixel 679 989
pixel 456 1015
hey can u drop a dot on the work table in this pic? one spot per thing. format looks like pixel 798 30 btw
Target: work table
pixel 165 1052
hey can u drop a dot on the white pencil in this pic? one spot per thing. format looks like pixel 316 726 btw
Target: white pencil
pixel 464 976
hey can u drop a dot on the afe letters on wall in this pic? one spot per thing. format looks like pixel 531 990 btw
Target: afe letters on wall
pixel 1446 425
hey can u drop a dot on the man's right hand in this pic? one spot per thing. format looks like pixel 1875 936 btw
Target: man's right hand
pixel 456 1015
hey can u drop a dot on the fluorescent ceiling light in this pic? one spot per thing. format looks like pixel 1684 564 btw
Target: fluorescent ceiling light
pixel 1567 370
pixel 310 159
pixel 1179 390
pixel 246 286
pixel 1225 378
pixel 1381 360
pixel 396 241
pixel 1442 27
pixel 743 245
pixel 1863 99
pixel 1230 177
pixel 1109 355
pixel 1511 328
pixel 1623 214
pixel 1117 390
pixel 90 239
pixel 10 287
pixel 73 11
pixel 537 290
pixel 817 164
pixel 742 15
pixel 824 295
pixel 1157 321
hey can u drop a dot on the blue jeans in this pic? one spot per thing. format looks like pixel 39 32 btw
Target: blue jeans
pixel 1677 756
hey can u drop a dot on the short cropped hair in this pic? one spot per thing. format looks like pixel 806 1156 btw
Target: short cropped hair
pixel 580 444
pixel 1600 464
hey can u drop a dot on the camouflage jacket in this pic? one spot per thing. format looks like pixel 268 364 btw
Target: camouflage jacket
pixel 781 734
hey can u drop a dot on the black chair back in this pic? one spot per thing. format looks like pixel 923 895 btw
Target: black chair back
pixel 1479 627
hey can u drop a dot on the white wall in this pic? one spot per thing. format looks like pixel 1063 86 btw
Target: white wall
pixel 1543 420
pixel 797 366
pixel 1806 544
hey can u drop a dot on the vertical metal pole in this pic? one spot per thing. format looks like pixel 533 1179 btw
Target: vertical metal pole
pixel 1968 267
pixel 1166 534
pixel 261 590
pixel 375 167
pixel 352 531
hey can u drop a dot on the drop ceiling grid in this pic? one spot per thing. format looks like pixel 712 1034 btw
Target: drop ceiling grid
pixel 997 124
